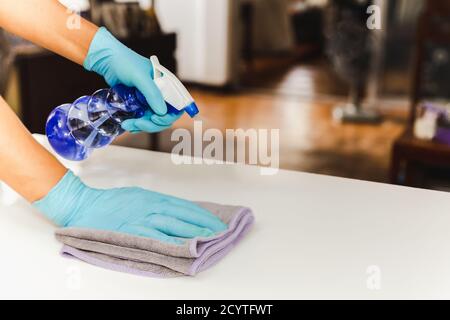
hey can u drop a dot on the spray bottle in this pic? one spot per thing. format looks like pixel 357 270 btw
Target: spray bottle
pixel 92 122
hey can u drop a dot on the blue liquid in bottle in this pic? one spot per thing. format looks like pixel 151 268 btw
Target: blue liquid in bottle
pixel 93 122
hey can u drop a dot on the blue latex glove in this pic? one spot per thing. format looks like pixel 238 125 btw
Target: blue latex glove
pixel 133 211
pixel 119 64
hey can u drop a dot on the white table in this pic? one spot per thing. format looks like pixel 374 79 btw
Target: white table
pixel 310 240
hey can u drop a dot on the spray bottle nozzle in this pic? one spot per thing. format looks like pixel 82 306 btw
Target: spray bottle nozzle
pixel 173 91
pixel 192 110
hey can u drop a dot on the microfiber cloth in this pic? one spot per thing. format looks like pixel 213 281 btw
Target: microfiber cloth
pixel 153 258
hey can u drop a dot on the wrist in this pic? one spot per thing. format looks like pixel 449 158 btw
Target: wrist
pixel 101 50
pixel 61 203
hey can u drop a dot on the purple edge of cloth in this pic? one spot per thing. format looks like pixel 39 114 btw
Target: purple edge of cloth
pixel 210 251
pixel 70 252
pixel 207 251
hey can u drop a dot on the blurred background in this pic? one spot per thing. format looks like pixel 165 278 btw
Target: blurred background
pixel 351 98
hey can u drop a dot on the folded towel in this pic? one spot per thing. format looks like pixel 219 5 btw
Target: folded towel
pixel 149 257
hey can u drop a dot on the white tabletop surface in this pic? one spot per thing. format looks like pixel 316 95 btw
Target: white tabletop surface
pixel 315 237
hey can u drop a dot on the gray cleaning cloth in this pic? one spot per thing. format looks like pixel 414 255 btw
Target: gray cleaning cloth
pixel 149 257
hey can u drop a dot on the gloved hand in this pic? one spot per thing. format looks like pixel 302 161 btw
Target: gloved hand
pixel 133 211
pixel 118 64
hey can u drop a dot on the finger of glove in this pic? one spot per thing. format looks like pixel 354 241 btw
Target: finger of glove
pixel 175 227
pixel 149 232
pixel 152 94
pixel 211 221
pixel 149 126
pixel 129 125
pixel 195 215
pixel 166 120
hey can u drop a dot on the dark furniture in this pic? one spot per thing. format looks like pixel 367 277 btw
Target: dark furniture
pixel 5 62
pixel 47 80
pixel 411 157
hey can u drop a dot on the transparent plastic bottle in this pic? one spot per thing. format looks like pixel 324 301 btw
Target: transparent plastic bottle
pixel 93 122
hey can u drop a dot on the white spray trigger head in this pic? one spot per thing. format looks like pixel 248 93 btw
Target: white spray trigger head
pixel 173 91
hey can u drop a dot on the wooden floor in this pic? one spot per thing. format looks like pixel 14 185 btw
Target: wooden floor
pixel 298 100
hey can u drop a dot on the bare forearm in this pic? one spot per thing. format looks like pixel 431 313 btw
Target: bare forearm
pixel 25 165
pixel 45 22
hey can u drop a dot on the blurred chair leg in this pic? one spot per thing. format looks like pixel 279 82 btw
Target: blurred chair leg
pixel 415 174
pixel 396 162
pixel 247 47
